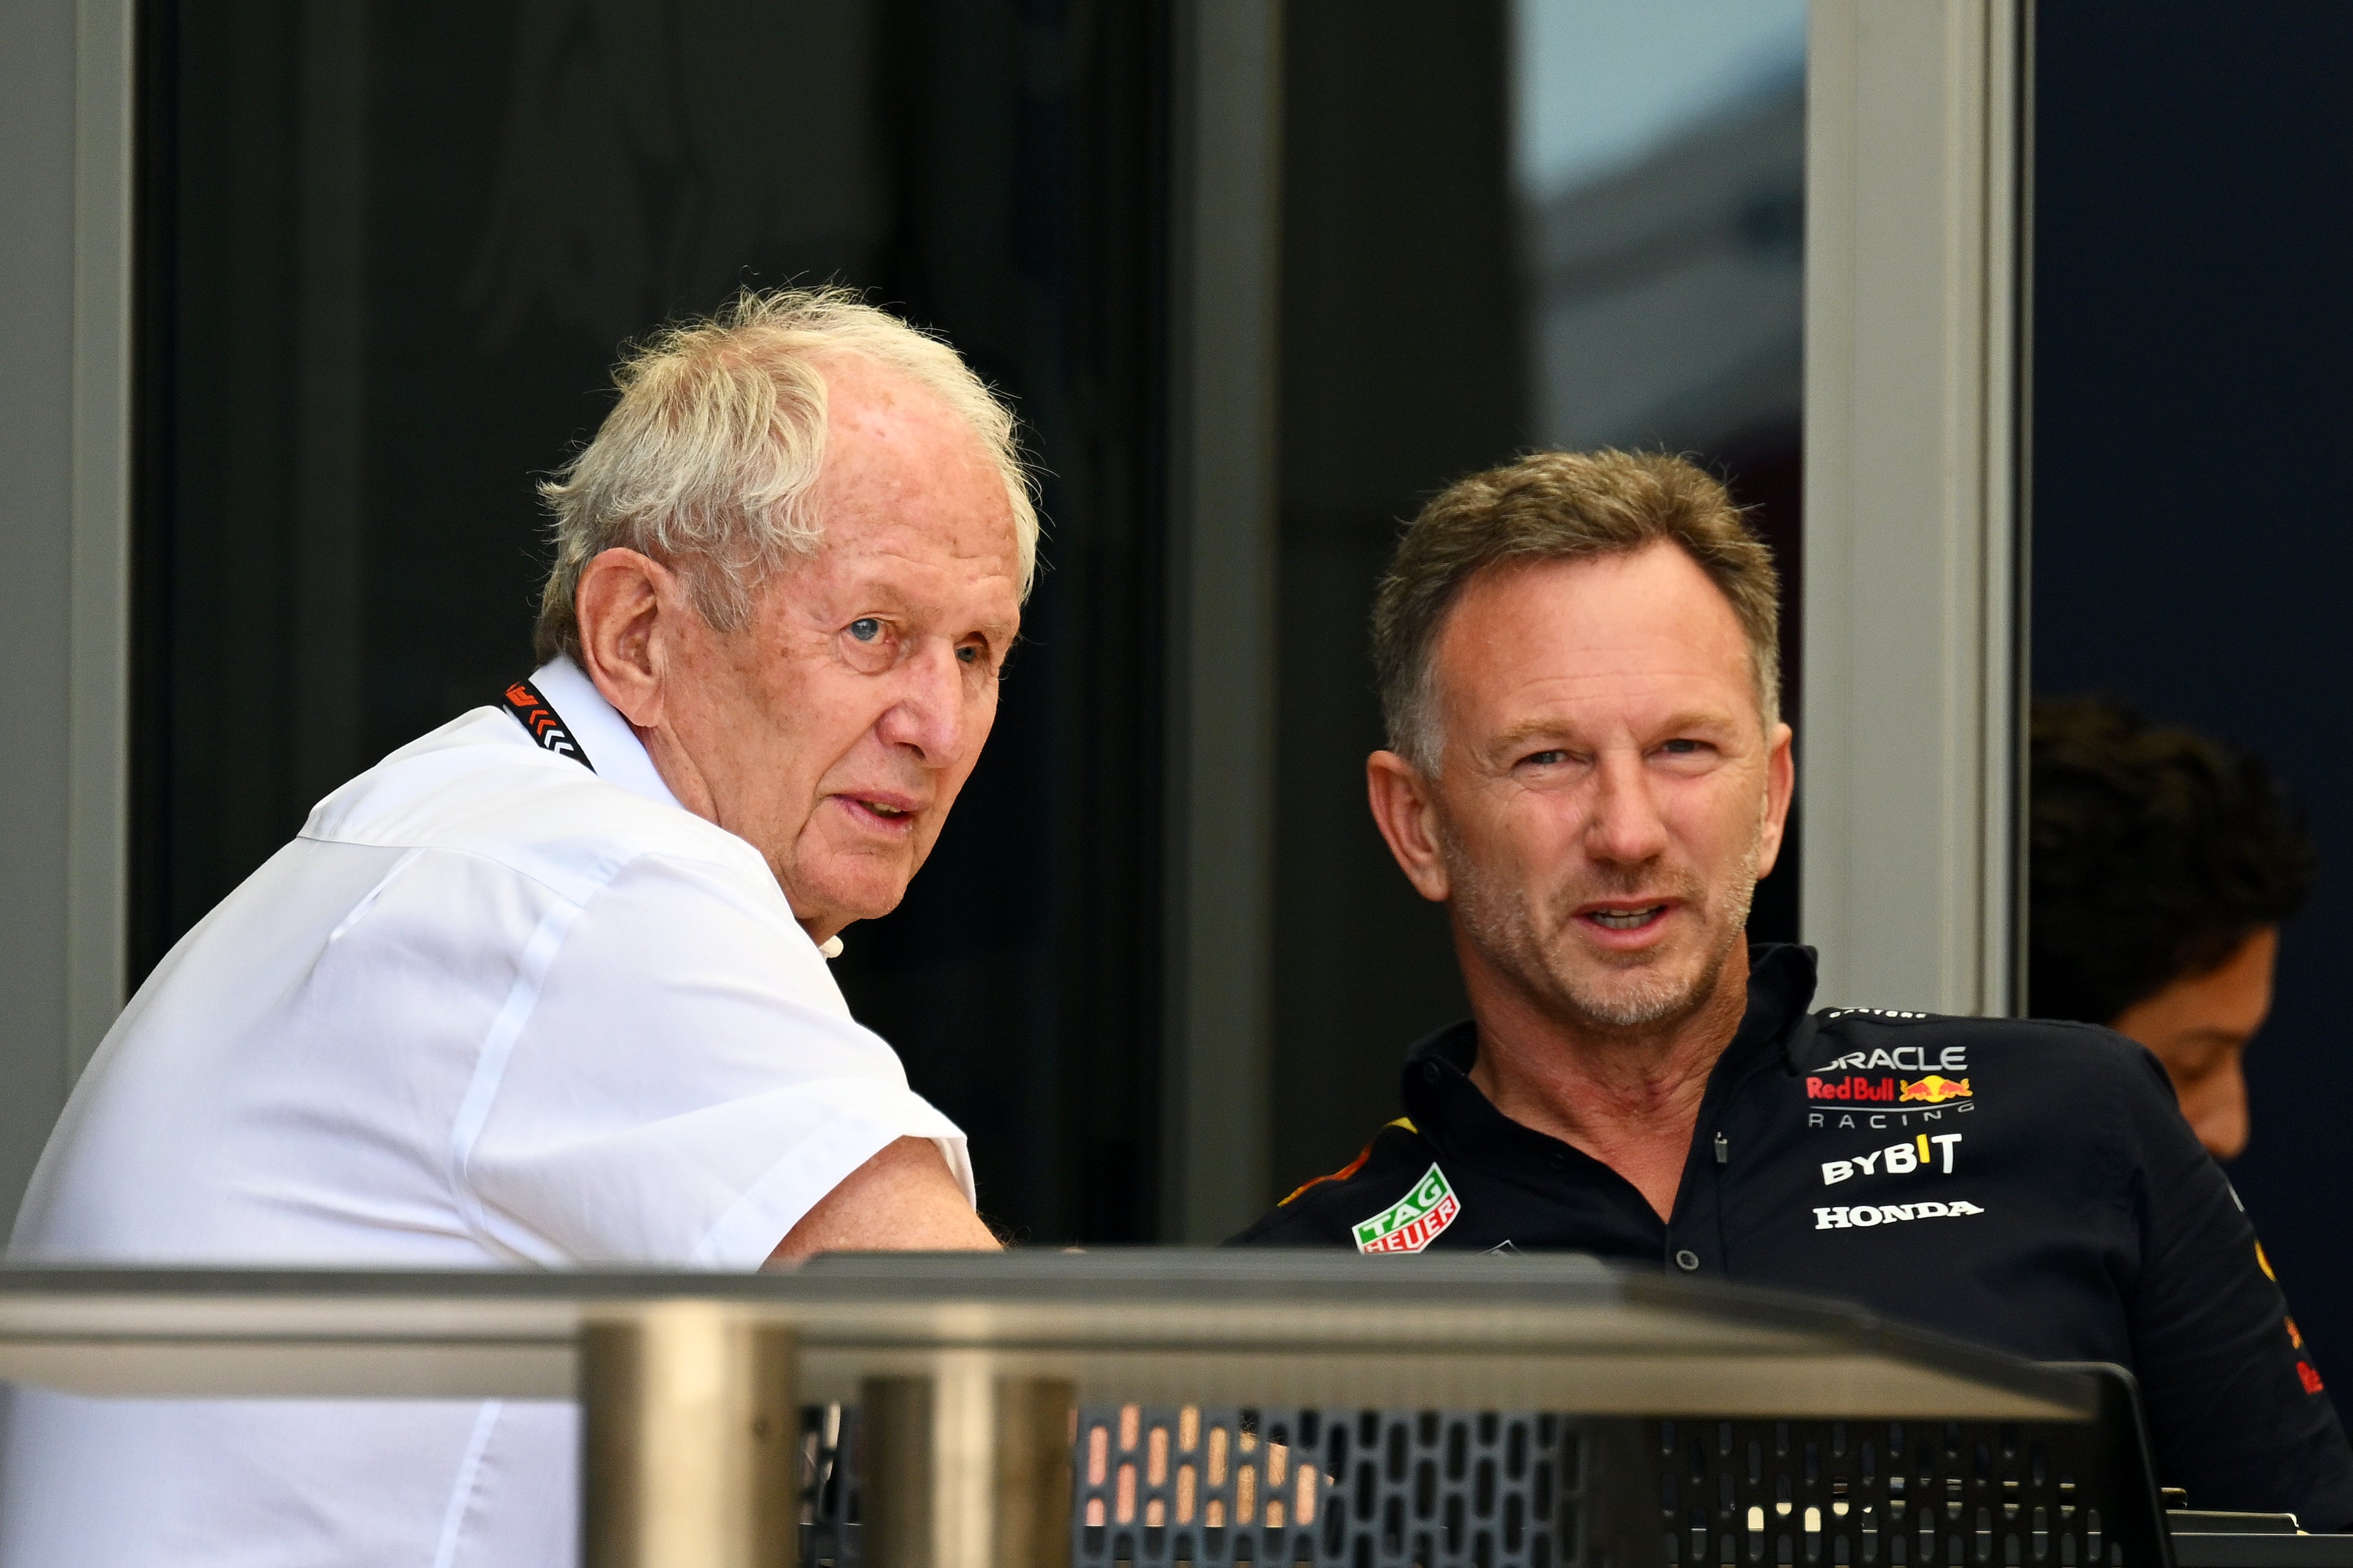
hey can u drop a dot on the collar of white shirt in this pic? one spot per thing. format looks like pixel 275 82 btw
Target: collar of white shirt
pixel 614 750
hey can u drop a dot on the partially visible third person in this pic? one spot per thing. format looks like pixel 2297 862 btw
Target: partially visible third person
pixel 2163 864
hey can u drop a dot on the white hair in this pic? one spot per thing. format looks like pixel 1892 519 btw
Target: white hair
pixel 707 461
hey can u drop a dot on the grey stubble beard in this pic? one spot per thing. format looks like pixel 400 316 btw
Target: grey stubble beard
pixel 1501 927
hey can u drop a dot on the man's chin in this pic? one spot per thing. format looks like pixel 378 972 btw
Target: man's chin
pixel 1633 1007
pixel 839 901
pixel 1643 992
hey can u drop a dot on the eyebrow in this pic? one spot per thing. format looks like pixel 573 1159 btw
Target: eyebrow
pixel 1552 728
pixel 1000 634
pixel 1528 729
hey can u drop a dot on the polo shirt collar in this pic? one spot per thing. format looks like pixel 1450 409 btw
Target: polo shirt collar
pixel 613 748
pixel 1446 1107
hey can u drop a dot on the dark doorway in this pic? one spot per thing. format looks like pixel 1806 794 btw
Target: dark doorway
pixel 389 251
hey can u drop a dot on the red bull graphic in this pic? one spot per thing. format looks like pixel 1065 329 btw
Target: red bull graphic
pixel 1879 1091
pixel 1868 1102
pixel 1933 1090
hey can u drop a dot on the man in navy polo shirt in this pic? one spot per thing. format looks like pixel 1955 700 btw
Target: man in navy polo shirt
pixel 1587 765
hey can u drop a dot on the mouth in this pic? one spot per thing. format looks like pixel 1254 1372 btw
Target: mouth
pixel 1624 917
pixel 885 813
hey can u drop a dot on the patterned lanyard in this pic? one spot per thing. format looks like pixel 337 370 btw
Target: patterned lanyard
pixel 539 722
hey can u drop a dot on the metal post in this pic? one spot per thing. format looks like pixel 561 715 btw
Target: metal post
pixel 1916 382
pixel 1218 1118
pixel 689 1430
pixel 965 1469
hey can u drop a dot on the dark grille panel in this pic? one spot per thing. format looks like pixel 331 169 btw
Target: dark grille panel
pixel 1376 1488
pixel 1161 1486
pixel 1842 1494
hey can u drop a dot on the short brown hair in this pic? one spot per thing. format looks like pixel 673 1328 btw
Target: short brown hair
pixel 1561 506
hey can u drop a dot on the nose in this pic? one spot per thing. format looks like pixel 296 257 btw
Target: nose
pixel 931 715
pixel 1624 827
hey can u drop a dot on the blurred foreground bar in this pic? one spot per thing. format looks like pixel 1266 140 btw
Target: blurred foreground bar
pixel 1161 1407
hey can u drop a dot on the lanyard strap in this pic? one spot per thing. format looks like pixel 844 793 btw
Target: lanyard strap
pixel 539 722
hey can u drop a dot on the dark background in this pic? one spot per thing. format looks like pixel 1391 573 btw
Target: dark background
pixel 2192 330
pixel 388 252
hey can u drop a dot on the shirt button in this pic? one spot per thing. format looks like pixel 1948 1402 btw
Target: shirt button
pixel 1687 1260
pixel 1431 1072
pixel 1559 1160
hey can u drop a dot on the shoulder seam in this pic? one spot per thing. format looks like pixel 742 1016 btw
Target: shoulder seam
pixel 1352 1166
pixel 621 856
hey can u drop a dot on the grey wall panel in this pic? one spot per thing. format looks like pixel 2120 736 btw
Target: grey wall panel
pixel 65 107
pixel 36 499
pixel 1907 766
pixel 98 690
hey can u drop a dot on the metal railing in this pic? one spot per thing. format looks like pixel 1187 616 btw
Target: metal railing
pixel 1342 1409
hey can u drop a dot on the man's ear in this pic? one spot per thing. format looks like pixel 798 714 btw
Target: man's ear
pixel 622 603
pixel 1780 784
pixel 1406 812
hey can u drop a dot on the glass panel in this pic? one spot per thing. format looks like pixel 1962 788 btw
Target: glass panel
pixel 1659 159
pixel 1558 222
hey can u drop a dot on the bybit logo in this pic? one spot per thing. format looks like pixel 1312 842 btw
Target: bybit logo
pixel 1896 1159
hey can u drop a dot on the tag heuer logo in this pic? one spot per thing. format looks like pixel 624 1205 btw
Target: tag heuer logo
pixel 1414 1221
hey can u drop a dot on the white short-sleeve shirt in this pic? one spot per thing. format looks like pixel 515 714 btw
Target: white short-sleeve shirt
pixel 489 1009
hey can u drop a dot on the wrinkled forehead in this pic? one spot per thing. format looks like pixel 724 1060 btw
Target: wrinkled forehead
pixel 962 567
pixel 906 480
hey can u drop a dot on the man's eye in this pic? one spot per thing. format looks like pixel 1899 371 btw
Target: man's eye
pixel 968 654
pixel 1547 759
pixel 1680 748
pixel 866 628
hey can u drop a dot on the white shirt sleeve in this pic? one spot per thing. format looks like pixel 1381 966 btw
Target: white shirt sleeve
pixel 679 1086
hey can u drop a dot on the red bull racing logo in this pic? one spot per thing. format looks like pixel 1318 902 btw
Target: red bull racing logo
pixel 1835 1099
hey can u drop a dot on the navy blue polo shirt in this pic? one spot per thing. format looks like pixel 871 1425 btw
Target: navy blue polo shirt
pixel 2030 1186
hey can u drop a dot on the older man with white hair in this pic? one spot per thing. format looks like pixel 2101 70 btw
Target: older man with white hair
pixel 547 986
